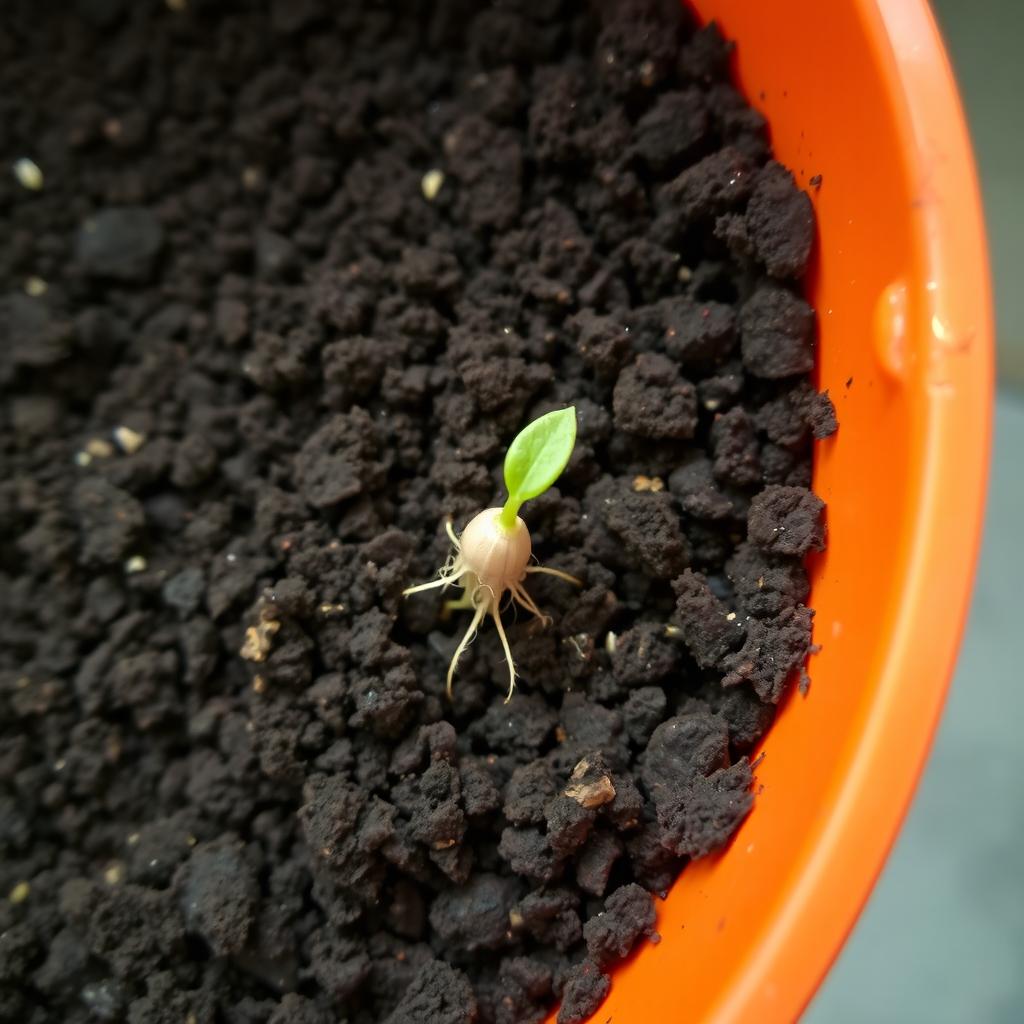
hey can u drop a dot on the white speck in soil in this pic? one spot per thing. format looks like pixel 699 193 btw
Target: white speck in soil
pixel 28 174
pixel 431 184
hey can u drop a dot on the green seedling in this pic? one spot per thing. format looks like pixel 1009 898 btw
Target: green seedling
pixel 493 554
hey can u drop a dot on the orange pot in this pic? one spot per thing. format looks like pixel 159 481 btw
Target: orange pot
pixel 859 92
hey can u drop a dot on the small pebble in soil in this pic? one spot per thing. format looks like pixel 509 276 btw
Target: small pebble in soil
pixel 98 448
pixel 648 483
pixel 128 440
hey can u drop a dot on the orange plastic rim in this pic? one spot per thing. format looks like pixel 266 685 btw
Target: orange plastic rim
pixel 861 93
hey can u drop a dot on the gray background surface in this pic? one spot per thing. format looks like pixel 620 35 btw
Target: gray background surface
pixel 984 38
pixel 942 938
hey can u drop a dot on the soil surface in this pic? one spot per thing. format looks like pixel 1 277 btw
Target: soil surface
pixel 295 276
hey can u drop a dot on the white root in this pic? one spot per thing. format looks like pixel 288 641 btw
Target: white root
pixel 555 572
pixel 521 595
pixel 508 653
pixel 467 639
pixel 443 580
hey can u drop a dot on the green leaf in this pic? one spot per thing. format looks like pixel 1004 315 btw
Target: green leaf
pixel 537 457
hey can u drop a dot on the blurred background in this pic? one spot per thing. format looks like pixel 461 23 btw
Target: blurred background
pixel 942 937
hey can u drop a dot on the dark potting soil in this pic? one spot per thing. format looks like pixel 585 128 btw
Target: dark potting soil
pixel 294 279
